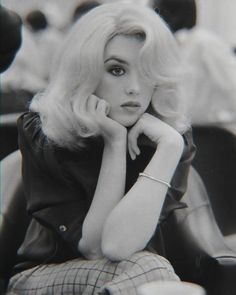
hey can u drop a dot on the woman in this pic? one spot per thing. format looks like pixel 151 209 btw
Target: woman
pixel 100 147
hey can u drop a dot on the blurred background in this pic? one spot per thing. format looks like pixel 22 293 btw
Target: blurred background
pixel 216 15
pixel 204 29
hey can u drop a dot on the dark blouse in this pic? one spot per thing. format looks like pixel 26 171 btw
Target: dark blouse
pixel 59 186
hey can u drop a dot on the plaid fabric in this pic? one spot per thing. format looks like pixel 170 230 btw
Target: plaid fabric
pixel 87 277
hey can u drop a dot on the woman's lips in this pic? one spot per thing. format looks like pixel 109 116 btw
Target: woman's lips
pixel 132 106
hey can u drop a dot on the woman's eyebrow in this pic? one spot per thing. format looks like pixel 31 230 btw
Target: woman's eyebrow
pixel 116 59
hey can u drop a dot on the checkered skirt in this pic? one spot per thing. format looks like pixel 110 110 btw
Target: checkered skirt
pixel 87 277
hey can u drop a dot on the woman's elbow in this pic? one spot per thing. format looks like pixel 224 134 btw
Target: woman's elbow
pixel 88 250
pixel 117 245
pixel 116 251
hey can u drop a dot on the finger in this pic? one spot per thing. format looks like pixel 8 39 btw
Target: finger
pixel 135 148
pixel 131 152
pixel 133 138
pixel 103 107
pixel 133 141
pixel 92 103
pixel 132 155
pixel 75 106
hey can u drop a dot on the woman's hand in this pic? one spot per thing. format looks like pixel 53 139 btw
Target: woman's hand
pixel 155 129
pixel 110 130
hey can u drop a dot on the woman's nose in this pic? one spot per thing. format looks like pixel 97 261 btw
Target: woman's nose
pixel 133 86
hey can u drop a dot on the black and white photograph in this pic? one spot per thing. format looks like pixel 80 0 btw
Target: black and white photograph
pixel 117 147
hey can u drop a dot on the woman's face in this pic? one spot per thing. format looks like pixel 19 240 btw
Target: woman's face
pixel 122 85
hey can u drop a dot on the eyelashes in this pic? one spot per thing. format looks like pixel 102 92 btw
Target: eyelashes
pixel 116 71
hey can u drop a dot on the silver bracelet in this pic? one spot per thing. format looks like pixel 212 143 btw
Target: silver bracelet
pixel 155 179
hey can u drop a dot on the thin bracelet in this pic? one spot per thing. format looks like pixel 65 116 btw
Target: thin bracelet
pixel 155 179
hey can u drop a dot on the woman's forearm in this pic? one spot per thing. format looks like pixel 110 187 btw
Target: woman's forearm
pixel 132 222
pixel 109 191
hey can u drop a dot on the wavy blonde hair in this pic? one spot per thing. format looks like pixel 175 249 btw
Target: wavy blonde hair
pixel 80 64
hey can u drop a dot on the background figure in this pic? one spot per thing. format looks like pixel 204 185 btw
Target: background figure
pixel 210 77
pixel 82 8
pixel 208 63
pixel 10 36
pixel 24 78
pixel 36 20
pixel 178 14
pixel 31 69
pixel 47 40
pixel 42 33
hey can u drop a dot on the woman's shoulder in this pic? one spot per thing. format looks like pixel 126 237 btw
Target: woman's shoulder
pixel 28 116
pixel 30 130
pixel 29 120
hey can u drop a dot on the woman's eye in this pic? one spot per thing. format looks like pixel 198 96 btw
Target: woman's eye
pixel 117 71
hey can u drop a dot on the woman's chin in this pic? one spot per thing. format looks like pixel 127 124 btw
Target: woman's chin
pixel 127 122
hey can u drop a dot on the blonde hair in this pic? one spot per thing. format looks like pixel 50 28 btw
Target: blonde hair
pixel 80 63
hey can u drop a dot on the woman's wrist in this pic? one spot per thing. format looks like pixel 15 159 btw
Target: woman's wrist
pixel 171 148
pixel 119 139
pixel 173 142
pixel 166 158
